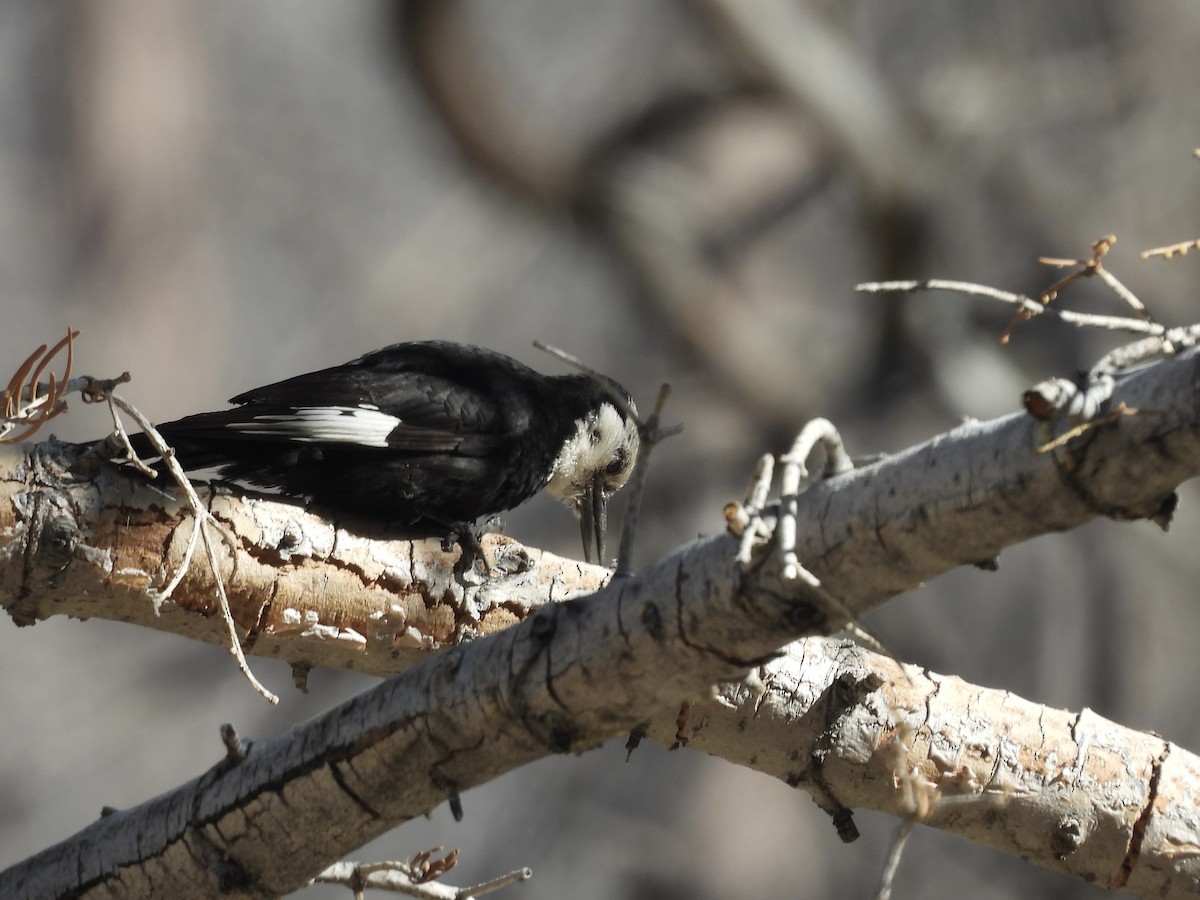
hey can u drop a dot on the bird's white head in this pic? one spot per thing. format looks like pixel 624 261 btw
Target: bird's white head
pixel 594 463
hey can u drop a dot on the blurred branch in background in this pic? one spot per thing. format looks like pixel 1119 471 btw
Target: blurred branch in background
pixel 682 189
pixel 691 188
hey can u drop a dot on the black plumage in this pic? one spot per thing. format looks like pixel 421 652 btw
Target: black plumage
pixel 428 434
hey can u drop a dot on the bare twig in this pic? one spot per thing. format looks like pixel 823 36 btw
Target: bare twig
pixel 26 401
pixel 650 433
pixel 414 877
pixel 1126 356
pixel 795 476
pixel 1160 341
pixel 747 521
pixel 1087 267
pixel 1090 267
pixel 202 520
pixel 1171 250
pixel 1029 308
pixel 1083 427
pixel 744 520
pixel 29 401
pixel 102 391
pixel 1027 304
pixel 494 884
pixel 893 861
pixel 600 378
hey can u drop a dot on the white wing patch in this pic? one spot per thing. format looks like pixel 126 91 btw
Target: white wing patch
pixel 362 425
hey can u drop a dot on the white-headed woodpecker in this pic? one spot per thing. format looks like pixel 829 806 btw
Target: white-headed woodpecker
pixel 428 434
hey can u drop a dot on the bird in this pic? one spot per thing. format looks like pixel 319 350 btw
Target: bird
pixel 431 435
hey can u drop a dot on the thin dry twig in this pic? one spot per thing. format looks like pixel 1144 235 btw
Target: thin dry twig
pixel 1029 308
pixel 1086 269
pixel 650 434
pixel 26 401
pixel 413 877
pixel 748 521
pixel 795 477
pixel 202 521
pixel 1027 304
pixel 1159 341
pixel 1083 427
pixel 1170 251
pixel 887 879
pixel 29 401
pixel 744 520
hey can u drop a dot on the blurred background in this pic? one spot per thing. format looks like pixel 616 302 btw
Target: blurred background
pixel 221 194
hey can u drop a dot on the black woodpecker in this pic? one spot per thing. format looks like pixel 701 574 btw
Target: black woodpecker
pixel 428 434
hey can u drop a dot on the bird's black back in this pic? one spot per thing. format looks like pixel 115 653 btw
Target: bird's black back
pixel 428 432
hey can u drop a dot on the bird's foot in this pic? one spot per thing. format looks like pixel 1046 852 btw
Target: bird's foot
pixel 467 536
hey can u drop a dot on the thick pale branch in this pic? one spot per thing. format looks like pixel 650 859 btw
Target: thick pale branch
pixel 964 496
pixel 1069 791
pixel 79 537
pixel 567 678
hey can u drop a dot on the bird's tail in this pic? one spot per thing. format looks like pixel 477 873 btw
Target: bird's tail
pixel 192 455
pixel 142 446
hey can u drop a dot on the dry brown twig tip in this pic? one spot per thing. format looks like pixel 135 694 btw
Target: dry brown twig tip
pixel 24 404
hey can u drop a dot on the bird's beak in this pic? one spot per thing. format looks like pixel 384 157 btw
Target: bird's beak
pixel 593 519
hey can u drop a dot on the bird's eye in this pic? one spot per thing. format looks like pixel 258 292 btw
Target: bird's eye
pixel 616 465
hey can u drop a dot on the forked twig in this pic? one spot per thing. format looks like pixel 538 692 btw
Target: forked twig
pixel 1027 304
pixel 747 521
pixel 1090 267
pixel 412 878
pixel 1031 307
pixel 202 520
pixel 1081 402
pixel 26 401
pixel 30 402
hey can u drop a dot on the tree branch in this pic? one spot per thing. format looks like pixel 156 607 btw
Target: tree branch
pixel 1069 791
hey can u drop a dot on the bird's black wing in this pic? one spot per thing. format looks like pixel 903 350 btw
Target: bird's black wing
pixel 423 432
pixel 407 401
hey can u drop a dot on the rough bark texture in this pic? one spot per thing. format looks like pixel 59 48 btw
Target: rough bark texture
pixel 1069 791
pixel 84 539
